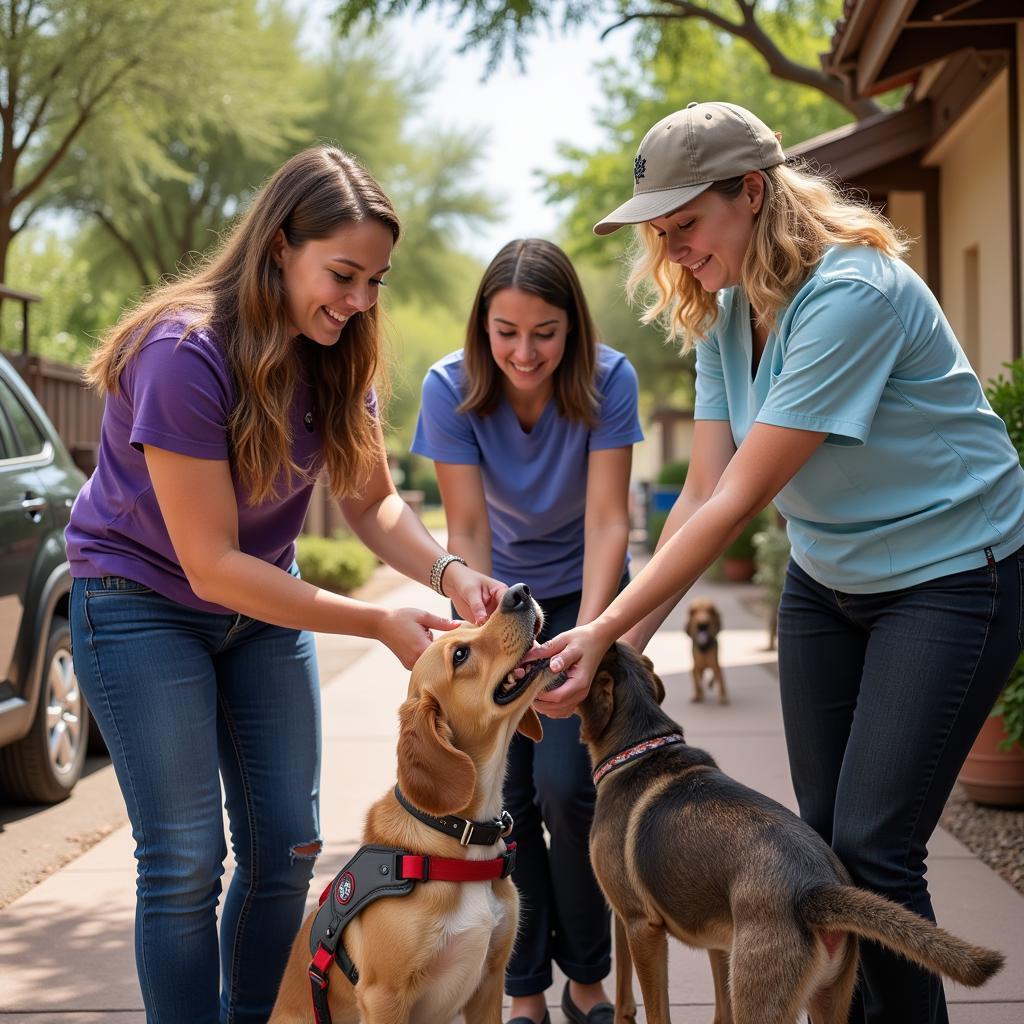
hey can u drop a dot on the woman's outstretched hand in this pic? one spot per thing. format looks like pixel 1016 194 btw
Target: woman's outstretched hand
pixel 407 632
pixel 576 652
pixel 474 595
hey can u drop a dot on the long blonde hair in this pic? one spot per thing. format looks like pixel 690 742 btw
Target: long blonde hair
pixel 238 294
pixel 537 267
pixel 801 216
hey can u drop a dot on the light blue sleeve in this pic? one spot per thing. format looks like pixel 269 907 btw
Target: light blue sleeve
pixel 442 434
pixel 712 402
pixel 839 351
pixel 618 420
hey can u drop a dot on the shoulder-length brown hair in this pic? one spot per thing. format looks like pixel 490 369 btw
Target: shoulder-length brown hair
pixel 539 268
pixel 238 293
pixel 802 215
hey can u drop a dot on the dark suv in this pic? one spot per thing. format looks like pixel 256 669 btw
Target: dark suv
pixel 44 722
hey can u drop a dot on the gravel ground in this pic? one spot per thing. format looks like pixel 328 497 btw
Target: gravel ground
pixel 994 835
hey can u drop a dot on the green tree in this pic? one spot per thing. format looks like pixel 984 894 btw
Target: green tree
pixel 108 68
pixel 766 26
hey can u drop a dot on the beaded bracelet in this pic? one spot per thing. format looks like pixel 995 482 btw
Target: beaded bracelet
pixel 437 571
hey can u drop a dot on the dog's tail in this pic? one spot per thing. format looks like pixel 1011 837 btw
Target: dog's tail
pixel 847 908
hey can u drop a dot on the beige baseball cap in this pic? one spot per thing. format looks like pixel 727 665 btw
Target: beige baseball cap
pixel 686 152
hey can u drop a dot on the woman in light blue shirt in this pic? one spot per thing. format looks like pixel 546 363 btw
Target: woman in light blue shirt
pixel 531 428
pixel 829 381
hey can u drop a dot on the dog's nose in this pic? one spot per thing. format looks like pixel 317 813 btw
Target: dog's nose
pixel 515 598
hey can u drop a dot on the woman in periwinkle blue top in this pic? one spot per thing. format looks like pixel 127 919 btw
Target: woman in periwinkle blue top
pixel 829 381
pixel 531 427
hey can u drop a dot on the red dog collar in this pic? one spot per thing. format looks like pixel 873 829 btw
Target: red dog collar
pixel 609 764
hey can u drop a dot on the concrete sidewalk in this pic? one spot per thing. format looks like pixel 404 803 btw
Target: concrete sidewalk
pixel 66 947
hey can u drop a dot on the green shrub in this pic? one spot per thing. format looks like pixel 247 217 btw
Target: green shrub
pixel 771 552
pixel 338 564
pixel 673 473
pixel 1011 706
pixel 655 524
pixel 743 545
pixel 1006 396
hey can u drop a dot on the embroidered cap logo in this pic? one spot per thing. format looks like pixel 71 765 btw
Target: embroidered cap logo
pixel 639 166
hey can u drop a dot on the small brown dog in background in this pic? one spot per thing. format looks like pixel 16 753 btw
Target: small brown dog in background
pixel 703 624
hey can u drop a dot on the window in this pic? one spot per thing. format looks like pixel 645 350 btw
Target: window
pixel 27 434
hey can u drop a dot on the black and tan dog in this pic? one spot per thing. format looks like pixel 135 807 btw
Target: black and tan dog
pixel 681 849
pixel 703 624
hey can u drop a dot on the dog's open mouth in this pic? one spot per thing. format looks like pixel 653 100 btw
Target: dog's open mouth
pixel 513 685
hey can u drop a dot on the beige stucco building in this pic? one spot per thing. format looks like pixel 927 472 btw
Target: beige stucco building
pixel 947 166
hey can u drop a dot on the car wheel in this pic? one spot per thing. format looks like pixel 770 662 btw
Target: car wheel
pixel 45 765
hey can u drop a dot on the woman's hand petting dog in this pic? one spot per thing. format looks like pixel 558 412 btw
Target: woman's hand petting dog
pixel 578 653
pixel 406 632
pixel 474 595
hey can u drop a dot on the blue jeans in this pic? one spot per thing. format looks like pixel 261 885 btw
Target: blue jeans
pixel 562 911
pixel 882 697
pixel 186 699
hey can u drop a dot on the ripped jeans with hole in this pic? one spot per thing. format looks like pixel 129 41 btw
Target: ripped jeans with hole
pixel 187 701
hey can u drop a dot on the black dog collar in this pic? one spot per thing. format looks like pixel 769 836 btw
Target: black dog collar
pixel 609 764
pixel 468 832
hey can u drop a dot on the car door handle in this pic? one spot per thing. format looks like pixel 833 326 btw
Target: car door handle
pixel 33 506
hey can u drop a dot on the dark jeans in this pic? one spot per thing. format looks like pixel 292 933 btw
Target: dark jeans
pixel 882 697
pixel 562 912
pixel 187 699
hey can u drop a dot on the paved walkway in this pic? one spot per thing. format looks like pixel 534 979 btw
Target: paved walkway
pixel 66 947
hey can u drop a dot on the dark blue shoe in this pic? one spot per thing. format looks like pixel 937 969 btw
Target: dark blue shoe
pixel 602 1013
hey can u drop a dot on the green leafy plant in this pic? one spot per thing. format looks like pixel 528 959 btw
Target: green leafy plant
pixel 673 473
pixel 1006 396
pixel 743 545
pixel 338 564
pixel 1011 706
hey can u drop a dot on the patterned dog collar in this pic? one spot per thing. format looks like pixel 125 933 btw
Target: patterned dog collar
pixel 632 753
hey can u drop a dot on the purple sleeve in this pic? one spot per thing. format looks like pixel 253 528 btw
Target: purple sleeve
pixel 181 397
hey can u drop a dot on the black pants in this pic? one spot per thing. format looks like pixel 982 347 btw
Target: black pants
pixel 882 696
pixel 562 913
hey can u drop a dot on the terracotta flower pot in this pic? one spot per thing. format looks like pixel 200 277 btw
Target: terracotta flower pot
pixel 738 570
pixel 990 775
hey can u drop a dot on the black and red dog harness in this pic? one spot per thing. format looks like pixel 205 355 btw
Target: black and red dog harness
pixel 378 871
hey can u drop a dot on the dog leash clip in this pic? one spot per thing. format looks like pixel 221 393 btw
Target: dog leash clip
pixel 507 823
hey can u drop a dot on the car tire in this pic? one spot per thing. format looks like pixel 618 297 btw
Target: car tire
pixel 45 765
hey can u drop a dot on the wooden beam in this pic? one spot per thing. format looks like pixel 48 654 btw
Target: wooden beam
pixel 916 48
pixel 854 150
pixel 879 41
pixel 965 12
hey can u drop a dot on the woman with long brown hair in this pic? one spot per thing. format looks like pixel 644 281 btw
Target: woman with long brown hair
pixel 228 392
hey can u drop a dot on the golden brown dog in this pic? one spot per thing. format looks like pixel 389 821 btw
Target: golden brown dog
pixel 703 624
pixel 681 849
pixel 441 950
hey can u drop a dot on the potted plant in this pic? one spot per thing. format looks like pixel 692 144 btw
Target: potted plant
pixel 738 564
pixel 994 770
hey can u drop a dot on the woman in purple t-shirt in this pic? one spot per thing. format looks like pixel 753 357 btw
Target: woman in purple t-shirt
pixel 531 427
pixel 228 392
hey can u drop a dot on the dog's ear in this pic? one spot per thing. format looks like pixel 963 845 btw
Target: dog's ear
pixel 435 775
pixel 654 679
pixel 717 619
pixel 596 710
pixel 529 725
